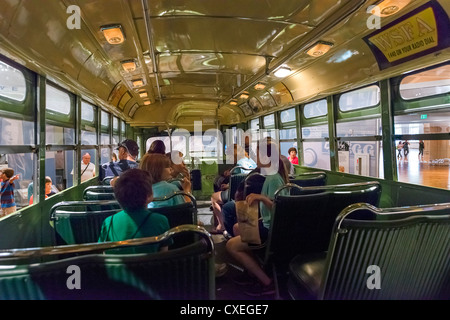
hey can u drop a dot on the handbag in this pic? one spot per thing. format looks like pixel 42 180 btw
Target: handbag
pixel 248 221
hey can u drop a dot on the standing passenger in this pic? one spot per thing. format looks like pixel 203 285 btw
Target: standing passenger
pixel 421 148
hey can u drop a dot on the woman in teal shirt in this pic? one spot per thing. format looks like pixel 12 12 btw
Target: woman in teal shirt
pixel 272 167
pixel 160 169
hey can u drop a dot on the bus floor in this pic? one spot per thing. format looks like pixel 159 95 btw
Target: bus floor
pixel 226 289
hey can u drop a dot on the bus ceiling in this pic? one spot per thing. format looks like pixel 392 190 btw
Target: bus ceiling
pixel 160 63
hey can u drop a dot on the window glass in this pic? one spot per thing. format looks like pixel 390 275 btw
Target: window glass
pixel 16 132
pixel 316 154
pixel 425 84
pixel 370 127
pixel 87 112
pixel 59 167
pixel 12 83
pixel 315 109
pixel 269 121
pixel 423 122
pixel 288 115
pixel 359 99
pixel 59 135
pixel 57 101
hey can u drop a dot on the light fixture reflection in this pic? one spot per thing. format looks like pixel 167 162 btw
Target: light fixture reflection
pixel 233 103
pixel 244 95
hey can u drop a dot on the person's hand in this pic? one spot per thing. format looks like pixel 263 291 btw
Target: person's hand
pixel 14 178
pixel 186 185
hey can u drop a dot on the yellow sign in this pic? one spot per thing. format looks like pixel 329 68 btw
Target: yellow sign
pixel 411 36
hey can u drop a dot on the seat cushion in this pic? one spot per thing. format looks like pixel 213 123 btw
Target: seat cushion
pixel 305 275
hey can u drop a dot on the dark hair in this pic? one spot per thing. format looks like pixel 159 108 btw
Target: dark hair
pixel 132 189
pixel 8 172
pixel 292 149
pixel 157 146
pixel 271 147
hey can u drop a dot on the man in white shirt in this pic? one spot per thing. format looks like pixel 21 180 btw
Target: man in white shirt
pixel 87 168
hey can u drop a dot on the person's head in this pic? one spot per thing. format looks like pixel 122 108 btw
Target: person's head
pixel 158 165
pixel 86 158
pixel 292 152
pixel 269 160
pixel 48 185
pixel 157 146
pixel 128 150
pixel 133 190
pixel 177 163
pixel 6 174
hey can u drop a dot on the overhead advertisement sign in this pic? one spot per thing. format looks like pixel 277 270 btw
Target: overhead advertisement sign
pixel 423 31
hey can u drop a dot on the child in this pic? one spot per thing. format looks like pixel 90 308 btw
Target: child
pixel 133 191
pixel 8 205
pixel 48 189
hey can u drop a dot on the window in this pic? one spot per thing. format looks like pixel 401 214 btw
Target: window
pixel 288 115
pixel 315 109
pixel 360 99
pixel 12 83
pixel 58 101
pixel 316 150
pixel 424 84
pixel 359 152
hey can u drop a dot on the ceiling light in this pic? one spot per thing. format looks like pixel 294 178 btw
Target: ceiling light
pixel 129 65
pixel 143 94
pixel 233 103
pixel 138 83
pixel 260 86
pixel 244 95
pixel 282 72
pixel 113 34
pixel 319 49
pixel 147 103
pixel 389 7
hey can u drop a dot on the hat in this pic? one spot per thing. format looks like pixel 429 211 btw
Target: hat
pixel 131 146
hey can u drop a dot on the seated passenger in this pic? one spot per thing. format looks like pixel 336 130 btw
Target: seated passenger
pixel 133 191
pixel 179 169
pixel 160 169
pixel 157 146
pixel 128 152
pixel 275 177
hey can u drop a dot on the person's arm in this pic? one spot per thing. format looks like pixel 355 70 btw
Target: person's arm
pixel 186 186
pixel 252 197
pixel 16 177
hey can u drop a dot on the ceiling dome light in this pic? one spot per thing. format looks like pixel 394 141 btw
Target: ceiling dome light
pixel 129 65
pixel 233 103
pixel 260 86
pixel 244 95
pixel 389 7
pixel 282 72
pixel 319 49
pixel 113 34
pixel 138 83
